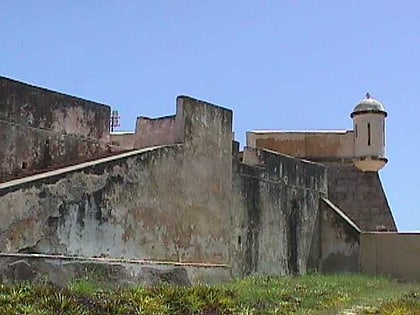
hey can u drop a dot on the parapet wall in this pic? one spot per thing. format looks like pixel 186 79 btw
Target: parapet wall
pixel 308 145
pixel 27 105
pixel 122 141
pixel 40 129
pixel 159 131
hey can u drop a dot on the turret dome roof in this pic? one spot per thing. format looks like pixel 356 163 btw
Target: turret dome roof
pixel 368 105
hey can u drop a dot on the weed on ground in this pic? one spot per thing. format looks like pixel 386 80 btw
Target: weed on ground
pixel 310 294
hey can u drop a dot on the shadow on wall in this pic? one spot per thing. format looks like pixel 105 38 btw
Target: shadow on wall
pixel 340 240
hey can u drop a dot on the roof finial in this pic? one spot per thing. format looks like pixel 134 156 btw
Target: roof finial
pixel 368 95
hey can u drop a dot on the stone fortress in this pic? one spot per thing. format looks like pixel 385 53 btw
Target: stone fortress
pixel 177 197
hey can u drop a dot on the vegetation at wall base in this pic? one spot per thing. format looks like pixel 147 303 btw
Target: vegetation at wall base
pixel 311 294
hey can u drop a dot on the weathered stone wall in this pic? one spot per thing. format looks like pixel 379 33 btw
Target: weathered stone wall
pixel 115 209
pixel 391 254
pixel 360 196
pixel 196 201
pixel 41 128
pixel 340 240
pixel 206 176
pixel 276 213
pixel 168 203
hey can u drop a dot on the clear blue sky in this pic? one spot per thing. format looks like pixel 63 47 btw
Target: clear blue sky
pixel 277 64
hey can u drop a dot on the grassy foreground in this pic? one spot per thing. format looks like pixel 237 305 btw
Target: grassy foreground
pixel 312 294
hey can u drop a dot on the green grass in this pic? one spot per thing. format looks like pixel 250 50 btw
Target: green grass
pixel 311 294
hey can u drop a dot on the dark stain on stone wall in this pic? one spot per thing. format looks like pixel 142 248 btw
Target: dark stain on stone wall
pixel 81 212
pixel 46 159
pixel 292 237
pixel 273 196
pixel 97 201
pixel 315 248
pixel 251 193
